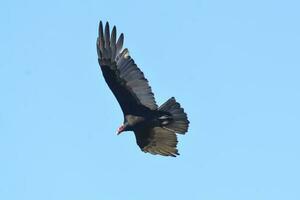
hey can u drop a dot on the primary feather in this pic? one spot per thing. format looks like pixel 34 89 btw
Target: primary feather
pixel 122 75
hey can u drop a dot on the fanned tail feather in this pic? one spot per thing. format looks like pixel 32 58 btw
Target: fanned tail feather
pixel 179 122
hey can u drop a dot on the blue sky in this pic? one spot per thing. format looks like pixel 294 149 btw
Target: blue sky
pixel 233 65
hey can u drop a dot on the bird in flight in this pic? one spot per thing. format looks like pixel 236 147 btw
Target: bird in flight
pixel 154 127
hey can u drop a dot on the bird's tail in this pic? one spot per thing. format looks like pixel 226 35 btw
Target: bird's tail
pixel 178 122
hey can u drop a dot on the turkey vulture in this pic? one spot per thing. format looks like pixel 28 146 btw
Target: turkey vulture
pixel 154 127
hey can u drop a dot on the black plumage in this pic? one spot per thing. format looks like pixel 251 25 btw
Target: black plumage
pixel 155 127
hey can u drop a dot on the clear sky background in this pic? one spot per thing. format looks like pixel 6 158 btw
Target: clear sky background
pixel 233 65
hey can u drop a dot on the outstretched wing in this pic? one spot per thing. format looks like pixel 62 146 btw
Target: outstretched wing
pixel 157 140
pixel 124 78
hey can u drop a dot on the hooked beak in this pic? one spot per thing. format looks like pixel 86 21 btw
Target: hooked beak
pixel 120 129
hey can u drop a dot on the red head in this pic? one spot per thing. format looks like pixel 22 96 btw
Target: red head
pixel 121 129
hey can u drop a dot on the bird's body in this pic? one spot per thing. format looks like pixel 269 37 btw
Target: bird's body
pixel 154 126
